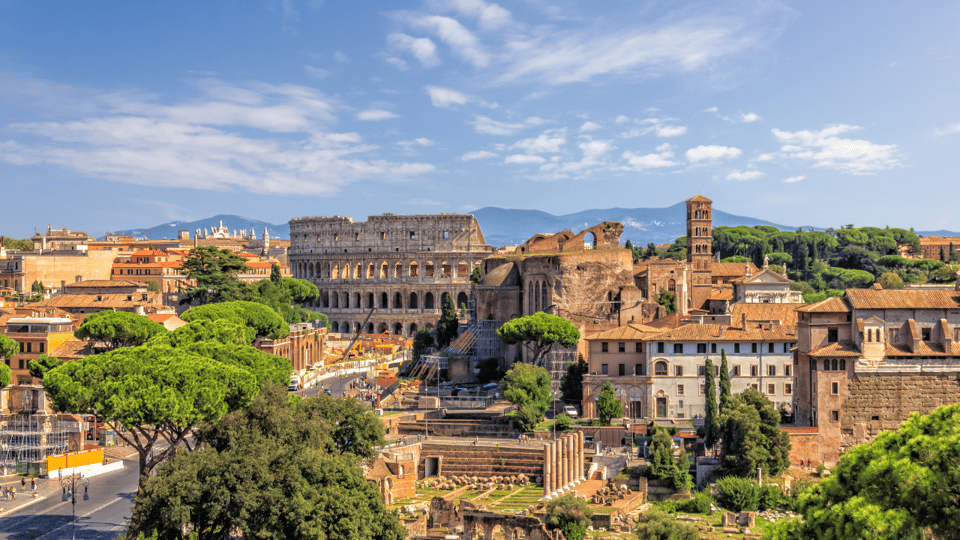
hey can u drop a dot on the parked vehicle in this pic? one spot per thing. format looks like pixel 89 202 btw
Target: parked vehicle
pixel 294 383
pixel 571 411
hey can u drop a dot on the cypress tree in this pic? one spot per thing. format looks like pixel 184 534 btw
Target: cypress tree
pixel 724 381
pixel 711 422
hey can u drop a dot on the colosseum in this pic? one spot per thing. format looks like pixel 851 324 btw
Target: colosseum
pixel 400 267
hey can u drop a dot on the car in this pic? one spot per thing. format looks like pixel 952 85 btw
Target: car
pixel 327 391
pixel 571 411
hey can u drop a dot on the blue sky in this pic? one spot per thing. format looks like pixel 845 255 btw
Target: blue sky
pixel 118 115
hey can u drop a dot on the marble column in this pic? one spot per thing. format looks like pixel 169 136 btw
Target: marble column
pixel 581 466
pixel 547 470
pixel 571 468
pixel 557 473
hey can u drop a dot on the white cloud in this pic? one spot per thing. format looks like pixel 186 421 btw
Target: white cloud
pixel 484 124
pixel 523 159
pixel 340 57
pixel 589 126
pixel 793 179
pixel 422 48
pixel 621 119
pixel 671 131
pixel 535 121
pixel 445 98
pixel 315 72
pixel 662 158
pixel 458 38
pixel 740 176
pixel 826 150
pixel 949 130
pixel 549 141
pixel 712 109
pixel 750 117
pixel 594 150
pixel 375 115
pixel 397 63
pixel 766 157
pixel 489 16
pixel 479 154
pixel 419 141
pixel 217 143
pixel 702 153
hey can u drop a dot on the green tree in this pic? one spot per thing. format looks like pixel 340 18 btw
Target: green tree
pixel 15 244
pixel 656 524
pixel 711 416
pixel 890 280
pixel 752 438
pixel 650 252
pixel 118 328
pixel 8 347
pixel 227 331
pixel 421 342
pixel 215 272
pixel 608 406
pixel 153 392
pixel 6 375
pixel 571 386
pixel 662 464
pixel 475 276
pixel 271 470
pixel 562 422
pixel 43 364
pixel 902 485
pixel 153 286
pixel 528 388
pixel 681 477
pixel 275 275
pixel 37 287
pixel 538 333
pixel 301 290
pixel 667 300
pixel 570 514
pixel 264 321
pixel 449 323
pixel 724 381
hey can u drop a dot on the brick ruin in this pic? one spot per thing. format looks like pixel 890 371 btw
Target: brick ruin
pixel 481 524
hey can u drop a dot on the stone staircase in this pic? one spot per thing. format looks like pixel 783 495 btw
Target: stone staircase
pixel 484 460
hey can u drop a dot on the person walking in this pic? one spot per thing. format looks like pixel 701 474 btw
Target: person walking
pixel 23 483
pixel 33 484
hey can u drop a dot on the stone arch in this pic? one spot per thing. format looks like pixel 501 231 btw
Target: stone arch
pixel 543 295
pixel 463 269
pixel 661 368
pixel 536 297
pixel 370 271
pixel 383 328
pixel 356 328
pixel 446 269
pixel 356 271
pixel 443 298
pixel 413 301
pixel 429 327
pixel 356 300
pixel 530 305
pixel 398 270
pixel 384 301
pixel 462 299
pixel 672 286
pixel 428 269
pixel 370 300
pixel 398 302
pixel 398 329
pixel 324 299
pixel 369 328
pixel 414 269
pixel 589 241
pixel 384 269
pixel 428 302
pixel 335 271
pixel 413 329
pixel 335 327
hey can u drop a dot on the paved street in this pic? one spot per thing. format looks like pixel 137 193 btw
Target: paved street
pixel 103 517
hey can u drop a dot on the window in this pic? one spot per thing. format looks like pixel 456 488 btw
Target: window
pixel 678 371
pixel 786 347
pixel 621 347
pixel 755 386
pixel 660 368
pixel 826 364
pixel 623 370
pixel 753 347
pixel 638 369
pixel 659 346
pixel 754 370
pixel 832 335
pixel 713 348
pixel 702 348
pixel 678 348
pixel 413 235
pixel 639 346
pixel 772 370
pixel 41 347
pixel 29 347
pixel 603 369
pixel 771 389
pixel 843 365
pixel 736 347
pixel 787 389
pixel 736 370
pixel 701 371
pixel 786 370
pixel 679 389
pixel 21 363
pixel 356 236
pixel 835 388
pixel 770 348
pixel 835 415
pixel 603 346
pixel 703 389
pixel 446 235
pixel 925 334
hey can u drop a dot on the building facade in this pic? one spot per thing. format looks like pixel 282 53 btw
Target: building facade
pixel 35 336
pixel 389 273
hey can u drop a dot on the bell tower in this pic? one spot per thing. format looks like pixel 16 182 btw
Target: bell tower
pixel 699 250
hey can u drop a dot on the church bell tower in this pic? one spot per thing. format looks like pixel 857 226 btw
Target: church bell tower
pixel 699 250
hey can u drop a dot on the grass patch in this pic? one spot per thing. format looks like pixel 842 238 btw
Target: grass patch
pixel 546 425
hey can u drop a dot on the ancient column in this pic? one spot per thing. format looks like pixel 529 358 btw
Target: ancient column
pixel 581 466
pixel 558 460
pixel 565 448
pixel 571 461
pixel 547 469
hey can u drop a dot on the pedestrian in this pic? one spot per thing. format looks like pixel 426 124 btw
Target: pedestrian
pixel 13 494
pixel 23 482
pixel 801 463
pixel 33 484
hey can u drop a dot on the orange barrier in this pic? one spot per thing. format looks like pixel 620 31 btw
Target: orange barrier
pixel 74 459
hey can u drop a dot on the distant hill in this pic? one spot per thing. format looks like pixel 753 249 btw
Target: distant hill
pixel 503 227
pixel 232 222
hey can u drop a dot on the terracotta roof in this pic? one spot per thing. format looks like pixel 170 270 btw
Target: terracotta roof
pixel 73 349
pixel 926 348
pixel 717 332
pixel 834 304
pixel 840 348
pixel 629 332
pixel 107 301
pixel 723 293
pixel 698 198
pixel 902 299
pixel 104 283
pixel 785 313
pixel 164 264
pixel 731 269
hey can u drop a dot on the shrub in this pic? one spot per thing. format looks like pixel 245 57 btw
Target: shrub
pixel 820 469
pixel 700 503
pixel 562 422
pixel 655 524
pixel 738 494
pixel 771 497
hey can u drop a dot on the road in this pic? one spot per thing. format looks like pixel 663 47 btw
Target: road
pixel 103 517
pixel 337 386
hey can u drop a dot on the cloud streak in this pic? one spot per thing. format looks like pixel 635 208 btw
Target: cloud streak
pixel 825 149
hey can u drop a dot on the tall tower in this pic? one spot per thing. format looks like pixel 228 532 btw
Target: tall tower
pixel 699 251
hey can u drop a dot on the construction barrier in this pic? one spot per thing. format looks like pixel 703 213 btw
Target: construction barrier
pixel 75 459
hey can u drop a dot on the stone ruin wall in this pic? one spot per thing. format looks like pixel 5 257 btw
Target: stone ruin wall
pixel 891 398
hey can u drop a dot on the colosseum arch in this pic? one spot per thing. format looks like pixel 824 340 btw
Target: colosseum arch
pixel 383 328
pixel 384 301
pixel 356 271
pixel 445 269
pixel 324 299
pixel 428 301
pixel 384 269
pixel 413 329
pixel 398 270
pixel 356 300
pixel 413 301
pixel 463 269
pixel 428 269
pixel 369 328
pixel 443 298
pixel 398 329
pixel 398 301
pixel 370 271
pixel 414 270
pixel 370 303
pixel 335 271
pixel 462 299
pixel 335 327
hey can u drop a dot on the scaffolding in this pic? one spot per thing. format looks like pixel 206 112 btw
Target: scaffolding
pixel 29 438
pixel 556 362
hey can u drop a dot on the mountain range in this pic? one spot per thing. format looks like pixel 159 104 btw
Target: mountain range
pixel 506 226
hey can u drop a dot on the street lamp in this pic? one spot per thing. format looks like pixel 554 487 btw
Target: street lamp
pixel 70 485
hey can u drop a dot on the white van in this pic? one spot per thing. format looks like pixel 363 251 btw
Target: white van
pixel 294 383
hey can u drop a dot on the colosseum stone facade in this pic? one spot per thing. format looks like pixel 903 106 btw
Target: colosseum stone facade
pixel 398 266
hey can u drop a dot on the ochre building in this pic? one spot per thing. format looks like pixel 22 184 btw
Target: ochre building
pixel 396 269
